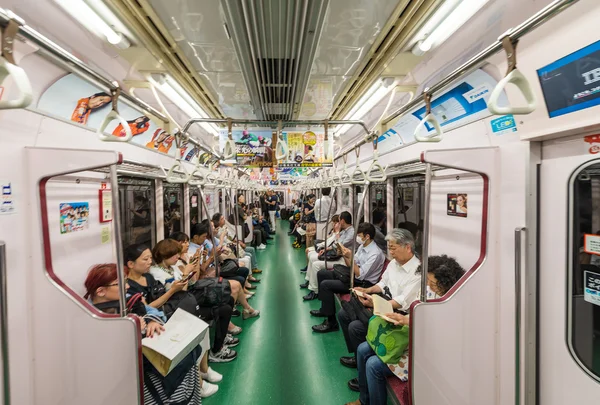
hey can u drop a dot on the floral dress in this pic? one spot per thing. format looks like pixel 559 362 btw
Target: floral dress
pixel 400 369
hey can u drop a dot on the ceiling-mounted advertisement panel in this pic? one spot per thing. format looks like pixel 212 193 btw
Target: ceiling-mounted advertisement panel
pixel 73 99
pixel 254 147
pixel 318 99
pixel 464 103
pixel 307 149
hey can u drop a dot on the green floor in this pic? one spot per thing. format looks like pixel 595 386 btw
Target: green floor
pixel 280 360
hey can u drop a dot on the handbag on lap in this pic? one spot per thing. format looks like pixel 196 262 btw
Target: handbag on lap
pixel 387 340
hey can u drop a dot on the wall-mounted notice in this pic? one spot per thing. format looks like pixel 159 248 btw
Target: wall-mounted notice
pixel 504 125
pixel 7 205
pixel 74 99
pixel 105 235
pixel 457 205
pixel 591 244
pixel 572 83
pixel 591 292
pixel 106 213
pixel 307 149
pixel 74 216
pixel 254 147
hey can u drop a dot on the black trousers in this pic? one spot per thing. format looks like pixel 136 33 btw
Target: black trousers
pixel 355 332
pixel 258 237
pixel 222 316
pixel 328 286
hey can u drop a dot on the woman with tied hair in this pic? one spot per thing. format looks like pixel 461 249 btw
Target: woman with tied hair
pixel 443 272
pixel 182 384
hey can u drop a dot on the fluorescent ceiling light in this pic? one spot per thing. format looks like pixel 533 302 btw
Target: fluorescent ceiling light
pixel 366 103
pixel 83 13
pixel 174 92
pixel 446 21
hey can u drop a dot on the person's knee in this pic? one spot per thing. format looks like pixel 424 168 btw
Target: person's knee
pixel 356 328
pixel 374 370
pixel 224 311
pixel 235 286
pixel 363 351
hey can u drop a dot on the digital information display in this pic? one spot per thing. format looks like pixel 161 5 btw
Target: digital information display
pixel 572 83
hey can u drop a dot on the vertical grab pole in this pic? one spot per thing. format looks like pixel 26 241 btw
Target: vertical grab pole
pixel 114 191
pixel 360 208
pixel 327 224
pixel 427 203
pixel 518 243
pixel 4 326
pixel 214 249
pixel 234 212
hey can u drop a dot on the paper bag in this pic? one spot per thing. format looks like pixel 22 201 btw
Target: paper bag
pixel 183 332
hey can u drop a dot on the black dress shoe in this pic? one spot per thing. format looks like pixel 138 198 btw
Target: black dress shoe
pixel 303 270
pixel 326 327
pixel 310 296
pixel 353 385
pixel 348 361
pixel 317 313
pixel 272 233
pixel 236 312
pixel 304 285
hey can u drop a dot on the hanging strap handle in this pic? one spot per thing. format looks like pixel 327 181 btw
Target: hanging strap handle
pixel 281 150
pixel 429 119
pixel 114 115
pixel 345 178
pixel 229 152
pixel 514 76
pixel 8 67
pixel 381 176
pixel 358 176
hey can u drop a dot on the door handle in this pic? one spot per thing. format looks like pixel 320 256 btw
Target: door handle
pixel 4 326
pixel 518 256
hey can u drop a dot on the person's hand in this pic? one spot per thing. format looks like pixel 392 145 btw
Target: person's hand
pixel 366 300
pixel 347 253
pixel 361 289
pixel 177 285
pixel 398 319
pixel 154 328
pixel 189 268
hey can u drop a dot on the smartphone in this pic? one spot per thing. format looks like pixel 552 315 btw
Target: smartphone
pixel 194 259
pixel 188 277
pixel 358 293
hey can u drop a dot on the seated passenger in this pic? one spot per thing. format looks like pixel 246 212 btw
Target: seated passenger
pixel 183 382
pixel 138 260
pixel 443 272
pixel 259 238
pixel 166 255
pixel 368 265
pixel 314 266
pixel 400 284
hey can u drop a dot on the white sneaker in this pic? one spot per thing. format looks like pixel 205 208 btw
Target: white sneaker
pixel 247 314
pixel 261 247
pixel 208 389
pixel 224 355
pixel 211 376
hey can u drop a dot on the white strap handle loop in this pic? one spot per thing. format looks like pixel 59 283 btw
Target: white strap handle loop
pixel 429 119
pixel 514 76
pixel 21 82
pixel 114 115
pixel 229 152
pixel 375 166
pixel 174 178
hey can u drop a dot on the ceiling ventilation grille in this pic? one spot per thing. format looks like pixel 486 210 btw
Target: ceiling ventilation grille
pixel 276 43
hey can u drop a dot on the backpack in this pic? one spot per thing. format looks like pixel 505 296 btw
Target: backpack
pixel 184 300
pixel 211 292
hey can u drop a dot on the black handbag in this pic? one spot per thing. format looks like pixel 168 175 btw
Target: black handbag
pixel 332 255
pixel 183 300
pixel 342 273
pixel 211 292
pixel 357 311
pixel 229 268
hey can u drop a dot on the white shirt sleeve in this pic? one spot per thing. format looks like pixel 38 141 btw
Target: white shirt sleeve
pixel 160 275
pixel 409 293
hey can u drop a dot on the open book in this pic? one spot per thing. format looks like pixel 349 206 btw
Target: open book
pixel 382 306
pixel 183 332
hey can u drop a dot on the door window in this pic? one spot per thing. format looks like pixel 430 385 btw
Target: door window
pixel 138 212
pixel 408 205
pixel 172 208
pixel 584 274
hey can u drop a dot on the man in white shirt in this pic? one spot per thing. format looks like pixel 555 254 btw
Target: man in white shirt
pixel 323 210
pixel 368 264
pixel 315 265
pixel 400 279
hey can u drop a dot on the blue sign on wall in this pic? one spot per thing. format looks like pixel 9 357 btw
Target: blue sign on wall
pixel 504 125
pixel 573 82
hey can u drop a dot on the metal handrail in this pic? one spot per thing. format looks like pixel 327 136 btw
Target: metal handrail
pixel 542 16
pixel 4 325
pixel 214 249
pixel 426 220
pixel 114 191
pixel 518 256
pixel 356 219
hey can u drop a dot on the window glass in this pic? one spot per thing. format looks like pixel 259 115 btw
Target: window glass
pixel 378 199
pixel 173 208
pixel 408 205
pixel 138 213
pixel 584 322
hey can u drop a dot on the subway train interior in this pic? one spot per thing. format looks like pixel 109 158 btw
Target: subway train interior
pixel 300 202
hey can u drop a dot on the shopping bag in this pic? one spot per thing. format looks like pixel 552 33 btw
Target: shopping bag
pixel 182 334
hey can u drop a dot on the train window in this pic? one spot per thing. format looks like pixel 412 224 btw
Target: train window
pixel 138 213
pixel 408 205
pixel 378 199
pixel 584 274
pixel 173 208
pixel 346 198
pixel 196 208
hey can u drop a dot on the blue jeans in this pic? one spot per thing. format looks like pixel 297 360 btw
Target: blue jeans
pixel 372 376
pixel 250 251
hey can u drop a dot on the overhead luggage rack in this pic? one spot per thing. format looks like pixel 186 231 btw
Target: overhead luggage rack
pixel 409 168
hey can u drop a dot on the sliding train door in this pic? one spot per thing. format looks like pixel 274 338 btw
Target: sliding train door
pixel 569 273
pixel 138 212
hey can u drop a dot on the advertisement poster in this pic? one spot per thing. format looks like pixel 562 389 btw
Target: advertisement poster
pixel 457 205
pixel 8 199
pixel 307 149
pixel 76 100
pixel 591 292
pixel 465 103
pixel 74 217
pixel 254 147
pixel 573 82
pixel 318 99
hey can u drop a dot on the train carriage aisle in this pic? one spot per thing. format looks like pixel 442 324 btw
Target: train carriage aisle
pixel 282 361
